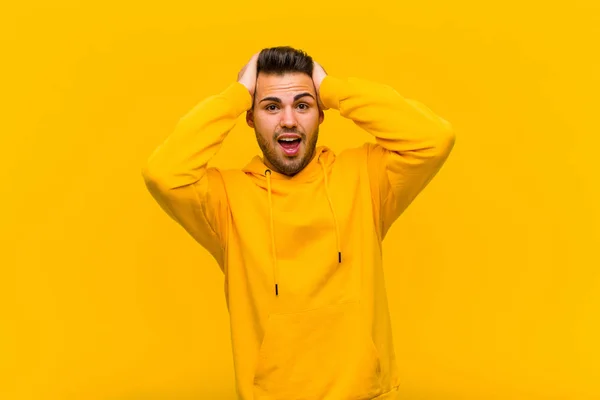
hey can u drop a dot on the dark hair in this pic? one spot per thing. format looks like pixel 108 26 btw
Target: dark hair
pixel 284 59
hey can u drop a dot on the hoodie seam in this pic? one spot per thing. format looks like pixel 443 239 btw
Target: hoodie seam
pixel 308 310
pixel 203 205
pixel 393 389
pixel 376 220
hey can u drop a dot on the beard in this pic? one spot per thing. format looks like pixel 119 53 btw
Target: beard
pixel 289 166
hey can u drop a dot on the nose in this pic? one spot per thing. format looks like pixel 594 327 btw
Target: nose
pixel 288 118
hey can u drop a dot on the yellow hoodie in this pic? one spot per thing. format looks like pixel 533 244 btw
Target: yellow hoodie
pixel 301 256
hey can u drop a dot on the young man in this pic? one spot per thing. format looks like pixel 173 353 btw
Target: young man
pixel 298 232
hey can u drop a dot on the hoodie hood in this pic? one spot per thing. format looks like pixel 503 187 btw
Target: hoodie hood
pixel 318 168
pixel 313 170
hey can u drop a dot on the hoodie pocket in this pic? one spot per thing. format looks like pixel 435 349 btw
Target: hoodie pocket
pixel 322 353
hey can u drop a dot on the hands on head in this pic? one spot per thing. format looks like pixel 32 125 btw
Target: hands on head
pixel 248 75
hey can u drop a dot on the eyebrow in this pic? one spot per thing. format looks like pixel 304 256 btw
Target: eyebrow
pixel 296 97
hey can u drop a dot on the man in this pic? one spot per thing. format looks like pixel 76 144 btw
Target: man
pixel 298 232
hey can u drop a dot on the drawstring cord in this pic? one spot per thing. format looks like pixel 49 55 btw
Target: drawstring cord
pixel 335 221
pixel 275 269
pixel 337 229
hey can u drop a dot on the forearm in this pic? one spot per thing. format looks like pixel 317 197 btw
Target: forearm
pixel 398 124
pixel 182 158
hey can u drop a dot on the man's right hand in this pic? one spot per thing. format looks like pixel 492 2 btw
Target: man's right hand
pixel 247 75
pixel 318 75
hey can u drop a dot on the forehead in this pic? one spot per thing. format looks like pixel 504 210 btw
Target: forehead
pixel 283 85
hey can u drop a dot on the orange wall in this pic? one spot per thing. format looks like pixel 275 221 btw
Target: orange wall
pixel 492 273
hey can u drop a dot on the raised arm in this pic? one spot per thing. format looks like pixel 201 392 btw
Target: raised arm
pixel 177 175
pixel 412 142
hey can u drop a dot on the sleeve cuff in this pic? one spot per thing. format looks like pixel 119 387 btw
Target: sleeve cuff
pixel 331 91
pixel 239 96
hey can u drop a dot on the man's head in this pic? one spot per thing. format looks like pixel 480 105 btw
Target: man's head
pixel 285 114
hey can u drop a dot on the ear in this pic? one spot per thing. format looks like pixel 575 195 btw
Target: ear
pixel 250 118
pixel 321 116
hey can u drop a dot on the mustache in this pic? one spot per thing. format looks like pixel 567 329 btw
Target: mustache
pixel 286 130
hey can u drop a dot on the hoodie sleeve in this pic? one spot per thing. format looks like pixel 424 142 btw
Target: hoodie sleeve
pixel 177 176
pixel 412 143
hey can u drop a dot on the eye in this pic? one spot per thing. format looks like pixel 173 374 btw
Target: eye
pixel 268 108
pixel 303 106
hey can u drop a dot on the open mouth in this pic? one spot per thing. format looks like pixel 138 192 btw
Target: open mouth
pixel 290 145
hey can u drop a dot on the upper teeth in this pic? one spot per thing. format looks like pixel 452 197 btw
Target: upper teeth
pixel 288 139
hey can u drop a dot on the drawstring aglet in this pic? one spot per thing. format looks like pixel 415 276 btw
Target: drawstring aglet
pixel 339 257
pixel 276 290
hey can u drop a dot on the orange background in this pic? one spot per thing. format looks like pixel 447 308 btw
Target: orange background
pixel 493 272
